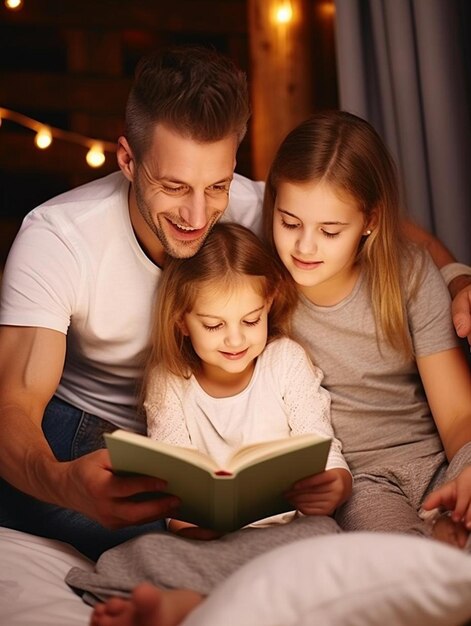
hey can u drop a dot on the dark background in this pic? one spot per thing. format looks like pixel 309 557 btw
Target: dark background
pixel 70 65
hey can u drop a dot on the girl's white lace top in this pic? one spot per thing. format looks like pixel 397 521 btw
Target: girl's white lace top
pixel 283 398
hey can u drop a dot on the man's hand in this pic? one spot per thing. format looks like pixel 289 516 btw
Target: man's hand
pixel 92 489
pixel 461 309
pixel 321 494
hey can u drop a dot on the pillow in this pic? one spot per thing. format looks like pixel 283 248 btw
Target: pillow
pixel 32 587
pixel 352 579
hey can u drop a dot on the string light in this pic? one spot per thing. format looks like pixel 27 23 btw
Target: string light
pixel 43 138
pixel 327 9
pixel 14 5
pixel 95 156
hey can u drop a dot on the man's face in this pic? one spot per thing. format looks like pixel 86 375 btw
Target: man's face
pixel 179 191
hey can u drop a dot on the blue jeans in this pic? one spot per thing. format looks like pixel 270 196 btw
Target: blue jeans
pixel 71 433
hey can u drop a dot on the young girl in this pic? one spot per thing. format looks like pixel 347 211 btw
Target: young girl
pixel 222 372
pixel 375 312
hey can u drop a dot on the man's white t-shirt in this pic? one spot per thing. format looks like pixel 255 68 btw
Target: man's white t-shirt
pixel 77 268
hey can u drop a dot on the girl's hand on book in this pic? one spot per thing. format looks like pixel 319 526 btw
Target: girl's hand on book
pixel 322 493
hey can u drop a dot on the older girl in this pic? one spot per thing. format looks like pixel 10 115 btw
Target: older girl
pixel 375 312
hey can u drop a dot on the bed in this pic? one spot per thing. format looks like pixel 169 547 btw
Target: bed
pixel 32 588
pixel 354 579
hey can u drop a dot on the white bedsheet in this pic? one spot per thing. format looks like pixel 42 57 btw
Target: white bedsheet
pixel 355 578
pixel 32 587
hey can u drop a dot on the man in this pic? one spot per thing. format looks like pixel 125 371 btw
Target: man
pixel 77 296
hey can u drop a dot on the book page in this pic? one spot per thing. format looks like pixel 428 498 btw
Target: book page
pixel 256 452
pixel 191 455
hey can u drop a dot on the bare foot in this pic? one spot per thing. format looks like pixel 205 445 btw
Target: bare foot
pixel 446 530
pixel 148 606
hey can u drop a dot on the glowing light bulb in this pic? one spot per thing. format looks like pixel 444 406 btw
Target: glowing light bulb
pixel 284 13
pixel 327 9
pixel 43 138
pixel 95 156
pixel 13 5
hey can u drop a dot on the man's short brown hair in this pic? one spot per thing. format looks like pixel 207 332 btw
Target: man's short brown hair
pixel 196 91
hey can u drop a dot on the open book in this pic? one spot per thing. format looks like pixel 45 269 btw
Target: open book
pixel 249 488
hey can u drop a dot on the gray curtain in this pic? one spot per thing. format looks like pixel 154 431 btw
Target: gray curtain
pixel 404 66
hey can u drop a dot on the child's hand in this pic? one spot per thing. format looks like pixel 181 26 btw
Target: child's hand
pixel 191 531
pixel 321 494
pixel 455 496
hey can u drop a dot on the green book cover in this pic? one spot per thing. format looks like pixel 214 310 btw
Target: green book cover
pixel 249 488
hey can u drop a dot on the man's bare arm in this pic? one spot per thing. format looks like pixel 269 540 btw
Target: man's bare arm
pixel 31 363
pixel 438 251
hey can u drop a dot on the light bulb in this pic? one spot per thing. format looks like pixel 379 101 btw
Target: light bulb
pixel 327 9
pixel 43 138
pixel 13 5
pixel 95 156
pixel 284 12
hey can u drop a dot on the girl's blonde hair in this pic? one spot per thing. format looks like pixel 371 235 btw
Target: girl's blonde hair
pixel 344 151
pixel 230 253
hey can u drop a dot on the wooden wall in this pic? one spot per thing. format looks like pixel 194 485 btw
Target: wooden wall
pixel 70 64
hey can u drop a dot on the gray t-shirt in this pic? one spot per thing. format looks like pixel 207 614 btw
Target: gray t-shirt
pixel 379 409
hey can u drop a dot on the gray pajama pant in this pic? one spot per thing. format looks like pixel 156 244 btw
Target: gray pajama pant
pixel 389 499
pixel 170 561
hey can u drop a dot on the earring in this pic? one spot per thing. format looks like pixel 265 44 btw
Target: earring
pixel 368 233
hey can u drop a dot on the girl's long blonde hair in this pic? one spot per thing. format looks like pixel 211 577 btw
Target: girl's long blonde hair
pixel 230 253
pixel 344 151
